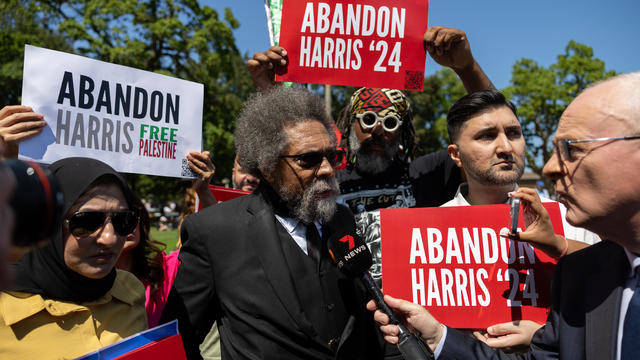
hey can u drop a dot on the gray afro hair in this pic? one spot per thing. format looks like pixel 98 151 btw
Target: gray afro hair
pixel 260 138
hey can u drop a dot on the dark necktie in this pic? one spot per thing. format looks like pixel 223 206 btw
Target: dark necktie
pixel 314 243
pixel 631 330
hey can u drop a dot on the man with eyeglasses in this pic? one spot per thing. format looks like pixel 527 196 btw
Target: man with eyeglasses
pixel 258 265
pixel 595 305
pixel 486 141
pixel 379 138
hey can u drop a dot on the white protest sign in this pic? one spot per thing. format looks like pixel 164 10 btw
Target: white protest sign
pixel 134 120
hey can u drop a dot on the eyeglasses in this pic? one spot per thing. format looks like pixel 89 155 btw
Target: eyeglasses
pixel 85 223
pixel 563 147
pixel 313 159
pixel 369 119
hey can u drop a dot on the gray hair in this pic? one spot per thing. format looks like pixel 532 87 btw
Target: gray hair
pixel 260 137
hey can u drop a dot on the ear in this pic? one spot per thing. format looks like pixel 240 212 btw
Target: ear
pixel 454 154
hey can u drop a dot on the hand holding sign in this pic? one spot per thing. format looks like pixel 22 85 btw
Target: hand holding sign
pixel 200 163
pixel 448 47
pixel 264 66
pixel 18 123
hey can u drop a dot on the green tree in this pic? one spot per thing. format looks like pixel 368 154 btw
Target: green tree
pixel 542 93
pixel 22 23
pixel 430 108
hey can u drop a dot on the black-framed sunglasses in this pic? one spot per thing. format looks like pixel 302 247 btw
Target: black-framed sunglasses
pixel 85 223
pixel 313 159
pixel 369 119
pixel 563 146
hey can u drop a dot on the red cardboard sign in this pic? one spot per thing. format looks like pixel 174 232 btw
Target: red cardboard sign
pixel 374 43
pixel 222 194
pixel 453 261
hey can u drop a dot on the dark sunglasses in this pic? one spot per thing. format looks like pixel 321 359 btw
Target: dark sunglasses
pixel 313 159
pixel 85 223
pixel 369 119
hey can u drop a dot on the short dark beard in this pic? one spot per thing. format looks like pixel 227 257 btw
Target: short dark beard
pixel 488 177
pixel 370 163
pixel 306 206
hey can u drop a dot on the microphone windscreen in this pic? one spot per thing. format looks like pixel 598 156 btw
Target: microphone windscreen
pixel 350 253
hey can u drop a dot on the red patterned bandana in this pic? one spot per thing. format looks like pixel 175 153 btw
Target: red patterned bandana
pixel 381 101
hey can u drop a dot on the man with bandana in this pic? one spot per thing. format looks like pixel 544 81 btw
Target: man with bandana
pixel 379 137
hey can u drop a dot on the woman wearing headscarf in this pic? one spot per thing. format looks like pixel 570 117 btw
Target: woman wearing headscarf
pixel 67 298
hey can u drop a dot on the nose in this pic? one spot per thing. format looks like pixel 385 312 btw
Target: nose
pixel 325 168
pixel 377 128
pixel 552 169
pixel 504 145
pixel 107 236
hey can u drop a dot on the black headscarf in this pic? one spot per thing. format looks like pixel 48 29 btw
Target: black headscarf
pixel 43 270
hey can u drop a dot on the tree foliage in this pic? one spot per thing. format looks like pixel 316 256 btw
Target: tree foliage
pixel 22 23
pixel 542 93
pixel 430 108
pixel 173 37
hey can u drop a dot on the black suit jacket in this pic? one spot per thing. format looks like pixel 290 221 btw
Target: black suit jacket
pixel 585 310
pixel 233 271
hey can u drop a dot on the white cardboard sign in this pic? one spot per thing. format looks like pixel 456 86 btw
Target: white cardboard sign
pixel 134 120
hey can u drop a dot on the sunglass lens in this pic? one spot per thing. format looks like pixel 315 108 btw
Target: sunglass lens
pixel 124 222
pixel 390 123
pixel 310 160
pixel 83 224
pixel 369 119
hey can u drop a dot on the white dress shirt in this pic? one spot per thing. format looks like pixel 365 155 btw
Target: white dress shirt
pixel 298 230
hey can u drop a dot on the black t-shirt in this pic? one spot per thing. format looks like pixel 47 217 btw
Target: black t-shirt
pixel 428 181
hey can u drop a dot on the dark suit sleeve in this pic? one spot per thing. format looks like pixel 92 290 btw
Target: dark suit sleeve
pixel 191 297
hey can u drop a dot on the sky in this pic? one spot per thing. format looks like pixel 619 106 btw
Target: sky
pixel 501 31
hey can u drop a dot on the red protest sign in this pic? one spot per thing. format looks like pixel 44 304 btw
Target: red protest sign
pixel 453 261
pixel 222 194
pixel 374 43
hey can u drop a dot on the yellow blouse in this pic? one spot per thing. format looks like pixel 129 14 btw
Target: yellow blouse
pixel 35 328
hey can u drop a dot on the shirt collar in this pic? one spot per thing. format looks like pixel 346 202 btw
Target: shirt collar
pixel 292 225
pixel 17 306
pixel 634 261
pixel 463 192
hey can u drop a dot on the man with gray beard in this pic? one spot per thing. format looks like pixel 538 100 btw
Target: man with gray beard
pixel 379 138
pixel 258 265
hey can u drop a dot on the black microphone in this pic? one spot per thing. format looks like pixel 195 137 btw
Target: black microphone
pixel 353 257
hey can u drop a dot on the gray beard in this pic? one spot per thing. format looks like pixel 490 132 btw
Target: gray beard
pixel 306 206
pixel 369 163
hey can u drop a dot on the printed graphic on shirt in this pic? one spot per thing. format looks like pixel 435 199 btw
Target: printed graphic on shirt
pixel 366 205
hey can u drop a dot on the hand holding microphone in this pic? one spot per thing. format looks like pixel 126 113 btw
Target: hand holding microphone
pixel 353 257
